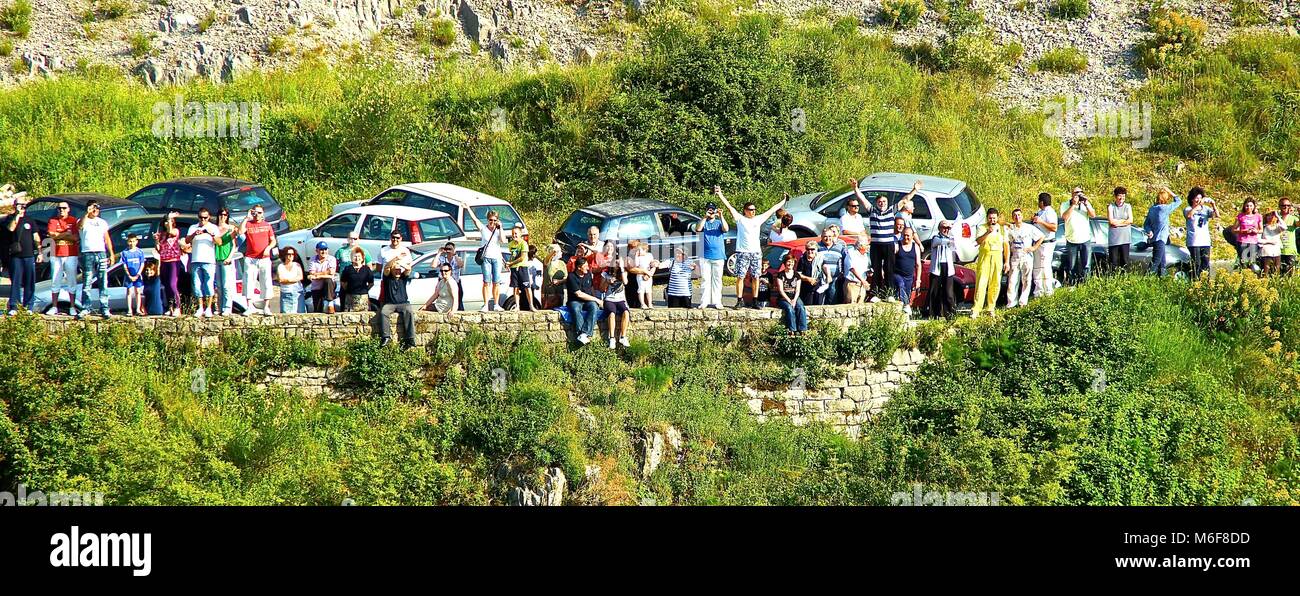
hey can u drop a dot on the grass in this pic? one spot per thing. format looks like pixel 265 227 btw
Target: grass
pixel 16 16
pixel 141 44
pixel 437 31
pixel 1070 9
pixel 1062 60
pixel 207 21
pixel 1246 13
pixel 6 48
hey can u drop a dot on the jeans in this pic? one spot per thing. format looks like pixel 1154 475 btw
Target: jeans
pixel 796 316
pixel 226 286
pixel 201 278
pixel 584 316
pixel 711 282
pixel 1158 265
pixel 22 282
pixel 290 298
pixel 1076 261
pixel 405 318
pixel 903 287
pixel 94 268
pixel 1200 260
pixel 256 270
pixel 64 276
pixel 323 296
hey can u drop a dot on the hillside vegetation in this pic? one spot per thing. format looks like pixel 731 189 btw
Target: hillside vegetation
pixel 1127 390
pixel 754 102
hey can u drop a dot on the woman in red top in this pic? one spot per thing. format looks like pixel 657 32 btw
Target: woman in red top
pixel 169 253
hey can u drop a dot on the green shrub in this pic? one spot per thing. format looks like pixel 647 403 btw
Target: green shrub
pixel 902 14
pixel 1246 13
pixel 1176 34
pixel 1062 60
pixel 1012 52
pixel 438 31
pixel 975 54
pixel 6 48
pixel 141 44
pixel 1070 9
pixel 17 17
pixel 874 338
pixel 383 373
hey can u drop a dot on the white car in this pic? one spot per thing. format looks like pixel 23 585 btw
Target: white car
pixel 374 226
pixel 424 276
pixel 939 199
pixel 468 207
pixel 117 291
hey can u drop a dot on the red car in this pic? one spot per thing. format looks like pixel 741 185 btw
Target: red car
pixel 776 251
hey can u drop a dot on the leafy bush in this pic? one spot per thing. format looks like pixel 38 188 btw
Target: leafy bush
pixel 1062 60
pixel 902 14
pixel 1246 13
pixel 973 53
pixel 382 372
pixel 1071 9
pixel 439 31
pixel 17 17
pixel 1237 303
pixel 1176 34
pixel 875 338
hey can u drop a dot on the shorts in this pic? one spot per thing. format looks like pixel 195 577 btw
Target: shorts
pixel 616 308
pixel 491 271
pixel 748 263
pixel 139 283
pixel 519 277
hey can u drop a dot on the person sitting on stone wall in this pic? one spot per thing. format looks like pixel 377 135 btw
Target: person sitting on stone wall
pixel 393 298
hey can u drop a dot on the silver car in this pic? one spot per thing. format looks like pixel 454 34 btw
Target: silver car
pixel 374 226
pixel 939 199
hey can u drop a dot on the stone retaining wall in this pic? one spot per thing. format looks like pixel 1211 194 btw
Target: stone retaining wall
pixel 338 329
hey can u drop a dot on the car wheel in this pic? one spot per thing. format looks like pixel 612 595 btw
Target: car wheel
pixel 508 303
pixel 731 265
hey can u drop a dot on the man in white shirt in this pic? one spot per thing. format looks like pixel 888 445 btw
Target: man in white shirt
pixel 1024 241
pixel 749 258
pixel 1076 216
pixel 857 273
pixel 851 222
pixel 1119 216
pixel 96 256
pixel 1045 221
pixel 202 238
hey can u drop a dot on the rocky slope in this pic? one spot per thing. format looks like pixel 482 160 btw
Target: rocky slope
pixel 218 38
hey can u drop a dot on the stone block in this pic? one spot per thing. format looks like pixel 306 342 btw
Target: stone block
pixel 841 405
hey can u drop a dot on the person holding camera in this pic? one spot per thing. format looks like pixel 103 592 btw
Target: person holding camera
pixel 202 238
pixel 24 253
pixel 713 253
pixel 1199 213
pixel 1077 216
pixel 393 299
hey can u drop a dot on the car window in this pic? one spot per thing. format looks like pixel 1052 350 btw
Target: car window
pixel 42 210
pixel 678 223
pixel 245 199
pixel 639 227
pixel 920 208
pixel 392 197
pixel 376 227
pixel 185 200
pixel 142 229
pixel 832 208
pixel 438 228
pixel 579 223
pixel 467 221
pixel 424 267
pixel 471 268
pixel 427 202
pixel 152 198
pixel 509 217
pixel 113 216
pixel 339 227
pixel 961 206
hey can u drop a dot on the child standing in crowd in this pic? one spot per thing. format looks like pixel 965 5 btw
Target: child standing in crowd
pixel 616 302
pixel 1270 244
pixel 133 262
pixel 518 266
pixel 152 289
pixel 678 294
pixel 169 253
pixel 534 266
pixel 644 280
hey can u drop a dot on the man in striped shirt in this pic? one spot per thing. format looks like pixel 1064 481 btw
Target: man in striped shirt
pixel 881 226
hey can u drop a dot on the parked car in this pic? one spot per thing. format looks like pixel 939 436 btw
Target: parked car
pixel 664 226
pixel 420 288
pixel 42 210
pixel 468 207
pixel 188 195
pixel 1177 258
pixel 776 251
pixel 939 199
pixel 374 226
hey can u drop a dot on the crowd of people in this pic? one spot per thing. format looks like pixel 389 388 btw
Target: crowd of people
pixel 873 254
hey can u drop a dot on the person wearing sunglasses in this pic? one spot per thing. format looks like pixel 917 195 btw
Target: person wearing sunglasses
pixel 446 292
pixel 447 257
pixel 62 229
pixel 749 257
pixel 259 244
pixel 225 255
pixel 202 238
pixel 943 270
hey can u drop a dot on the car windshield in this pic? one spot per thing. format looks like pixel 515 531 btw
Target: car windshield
pixel 243 200
pixel 578 224
pixel 509 218
pixel 961 206
pixel 113 216
pixel 821 199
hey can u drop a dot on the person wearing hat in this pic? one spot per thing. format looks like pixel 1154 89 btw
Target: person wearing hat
pixel 321 272
pixel 713 254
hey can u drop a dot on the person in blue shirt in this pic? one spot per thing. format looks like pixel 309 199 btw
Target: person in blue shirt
pixel 152 288
pixel 133 263
pixel 713 254
pixel 1157 228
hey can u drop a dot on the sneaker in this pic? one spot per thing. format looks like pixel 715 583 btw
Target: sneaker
pixel 13 312
pixel 907 310
pixel 701 307
pixel 875 299
pixel 757 305
pixel 484 309
pixel 107 314
pixel 267 311
pixel 623 342
pixel 739 304
pixel 612 341
pixel 583 339
pixel 81 315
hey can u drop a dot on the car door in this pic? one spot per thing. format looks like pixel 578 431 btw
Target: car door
pixel 678 229
pixel 923 218
pixel 375 231
pixel 333 232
